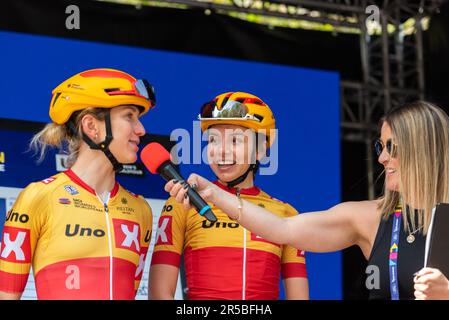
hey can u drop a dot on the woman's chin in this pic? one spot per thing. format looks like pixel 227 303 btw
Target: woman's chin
pixel 225 177
pixel 128 160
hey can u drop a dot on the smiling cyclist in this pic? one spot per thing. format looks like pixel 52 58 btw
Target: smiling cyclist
pixel 223 260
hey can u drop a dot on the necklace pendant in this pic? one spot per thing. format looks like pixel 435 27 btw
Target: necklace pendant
pixel 410 238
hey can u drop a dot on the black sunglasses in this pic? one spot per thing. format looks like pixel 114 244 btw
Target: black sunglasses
pixel 391 147
pixel 145 89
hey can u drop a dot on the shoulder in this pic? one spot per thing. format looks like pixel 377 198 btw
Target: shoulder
pixel 176 212
pixel 35 199
pixel 144 203
pixel 358 210
pixel 287 208
pixel 40 189
pixel 363 215
pixel 173 204
pixel 130 198
pixel 357 206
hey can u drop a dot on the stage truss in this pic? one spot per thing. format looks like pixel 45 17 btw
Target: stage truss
pixel 390 34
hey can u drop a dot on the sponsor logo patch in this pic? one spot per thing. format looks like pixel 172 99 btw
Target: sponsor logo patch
pixel 64 201
pixel 81 204
pixel 71 189
pixel 15 245
pixel 127 235
pixel 164 231
pixel 48 180
pixel 255 237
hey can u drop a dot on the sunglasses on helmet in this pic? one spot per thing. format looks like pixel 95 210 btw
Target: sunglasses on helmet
pixel 391 147
pixel 142 89
pixel 232 110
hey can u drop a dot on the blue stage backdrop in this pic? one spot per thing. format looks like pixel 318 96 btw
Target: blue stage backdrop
pixel 305 103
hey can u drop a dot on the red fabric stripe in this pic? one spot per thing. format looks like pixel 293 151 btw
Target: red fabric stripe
pixel 253 191
pixel 124 275
pixel 166 257
pixel 294 270
pixel 217 273
pixel 86 278
pixel 114 190
pixel 12 283
pixel 129 93
pixel 263 273
pixel 78 181
pixel 72 175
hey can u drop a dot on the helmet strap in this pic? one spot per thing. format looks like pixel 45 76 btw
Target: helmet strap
pixel 233 183
pixel 104 145
pixel 252 167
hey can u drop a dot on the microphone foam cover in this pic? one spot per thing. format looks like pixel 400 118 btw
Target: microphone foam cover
pixel 153 155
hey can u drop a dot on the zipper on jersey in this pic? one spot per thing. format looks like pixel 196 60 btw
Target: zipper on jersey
pixel 111 267
pixel 244 256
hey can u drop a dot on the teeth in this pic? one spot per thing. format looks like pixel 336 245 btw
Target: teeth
pixel 390 170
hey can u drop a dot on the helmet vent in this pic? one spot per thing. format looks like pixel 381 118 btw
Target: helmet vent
pixel 258 102
pixel 56 98
pixel 259 117
pixel 111 90
pixel 224 101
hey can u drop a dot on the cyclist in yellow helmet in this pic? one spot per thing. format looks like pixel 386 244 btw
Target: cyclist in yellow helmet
pixel 84 235
pixel 223 260
pixel 391 231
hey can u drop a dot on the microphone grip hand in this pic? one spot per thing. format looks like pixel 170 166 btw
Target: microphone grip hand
pixel 194 193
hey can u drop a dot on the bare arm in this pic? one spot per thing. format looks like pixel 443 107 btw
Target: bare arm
pixel 322 231
pixel 162 282
pixel 9 296
pixel 296 288
pixel 334 229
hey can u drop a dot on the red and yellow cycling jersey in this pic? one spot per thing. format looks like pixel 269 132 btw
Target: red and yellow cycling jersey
pixel 223 260
pixel 79 246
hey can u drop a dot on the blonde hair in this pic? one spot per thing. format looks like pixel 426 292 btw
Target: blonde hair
pixel 421 132
pixel 59 136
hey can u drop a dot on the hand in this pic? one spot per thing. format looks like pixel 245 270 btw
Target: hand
pixel 178 189
pixel 431 284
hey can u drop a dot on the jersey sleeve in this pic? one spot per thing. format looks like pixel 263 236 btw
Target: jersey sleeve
pixel 145 238
pixel 23 225
pixel 293 262
pixel 170 235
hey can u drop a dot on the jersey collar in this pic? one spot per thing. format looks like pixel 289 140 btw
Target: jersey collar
pixel 253 191
pixel 84 185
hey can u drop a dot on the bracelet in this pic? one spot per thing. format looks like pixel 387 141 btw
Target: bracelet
pixel 239 207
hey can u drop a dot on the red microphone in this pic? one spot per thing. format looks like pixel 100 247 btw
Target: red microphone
pixel 158 161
